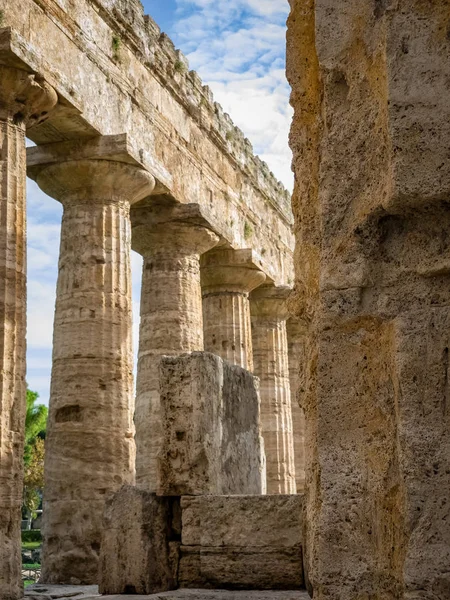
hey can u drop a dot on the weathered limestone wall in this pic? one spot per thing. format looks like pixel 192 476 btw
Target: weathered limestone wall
pixel 211 435
pixel 296 332
pixel 370 135
pixel 241 542
pixel 119 74
pixel 23 99
pixel 153 544
pixel 140 543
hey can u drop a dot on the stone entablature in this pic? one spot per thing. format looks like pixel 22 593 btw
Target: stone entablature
pixel 118 74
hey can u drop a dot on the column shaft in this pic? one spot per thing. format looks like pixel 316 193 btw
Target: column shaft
pixel 296 347
pixel 12 351
pixel 228 327
pixel 270 353
pixel 90 449
pixel 20 96
pixel 227 278
pixel 171 320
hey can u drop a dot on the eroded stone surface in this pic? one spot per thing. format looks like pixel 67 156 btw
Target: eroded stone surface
pixel 40 591
pixel 210 415
pixel 251 542
pixel 370 82
pixel 140 543
pixel 296 332
pixel 217 595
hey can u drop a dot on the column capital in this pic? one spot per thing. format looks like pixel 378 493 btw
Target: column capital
pixel 225 270
pixel 94 180
pixel 269 301
pixel 25 98
pixel 167 226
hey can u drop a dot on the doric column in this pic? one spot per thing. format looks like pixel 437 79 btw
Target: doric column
pixel 228 276
pixel 23 99
pixel 89 448
pixel 270 354
pixel 296 332
pixel 171 241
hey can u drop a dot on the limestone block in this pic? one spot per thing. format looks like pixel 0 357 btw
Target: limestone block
pixel 241 542
pixel 211 433
pixel 140 543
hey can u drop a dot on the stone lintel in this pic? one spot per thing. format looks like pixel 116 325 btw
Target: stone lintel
pixel 117 148
pixel 185 227
pixel 228 270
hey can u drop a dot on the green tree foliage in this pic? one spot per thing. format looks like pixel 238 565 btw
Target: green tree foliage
pixel 35 427
pixel 35 423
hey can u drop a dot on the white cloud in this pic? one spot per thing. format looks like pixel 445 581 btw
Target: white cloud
pixel 238 48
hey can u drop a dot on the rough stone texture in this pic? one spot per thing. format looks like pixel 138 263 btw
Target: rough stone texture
pixel 370 138
pixel 227 277
pixel 171 239
pixel 296 331
pixel 207 595
pixel 89 447
pixel 140 543
pixel 270 352
pixel 15 115
pixel 211 428
pixel 38 591
pixel 239 542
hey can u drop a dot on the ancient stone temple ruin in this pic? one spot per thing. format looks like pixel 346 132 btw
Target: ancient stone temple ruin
pixel 283 435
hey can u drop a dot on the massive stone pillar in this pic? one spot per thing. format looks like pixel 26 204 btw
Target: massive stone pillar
pixel 228 276
pixel 270 353
pixel 171 239
pixel 296 331
pixel 24 100
pixel 370 138
pixel 89 448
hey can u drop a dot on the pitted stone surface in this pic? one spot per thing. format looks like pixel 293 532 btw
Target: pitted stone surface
pixel 212 441
pixel 370 136
pixel 40 591
pixel 218 595
pixel 241 542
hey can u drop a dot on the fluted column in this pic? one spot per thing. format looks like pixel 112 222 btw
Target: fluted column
pixel 228 276
pixel 89 448
pixel 270 354
pixel 296 348
pixel 22 101
pixel 171 314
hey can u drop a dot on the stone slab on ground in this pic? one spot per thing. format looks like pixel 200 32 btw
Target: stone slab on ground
pixel 217 595
pixel 40 591
pixel 241 542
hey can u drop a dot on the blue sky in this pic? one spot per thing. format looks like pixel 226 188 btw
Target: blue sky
pixel 238 48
